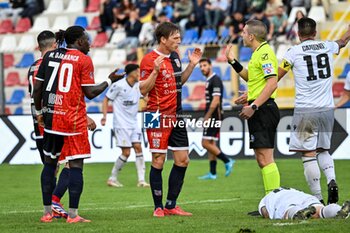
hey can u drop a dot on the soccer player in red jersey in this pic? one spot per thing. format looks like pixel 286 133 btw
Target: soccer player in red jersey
pixel 162 79
pixel 64 77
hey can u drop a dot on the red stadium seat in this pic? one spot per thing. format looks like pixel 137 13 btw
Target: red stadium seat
pixel 100 40
pixel 9 60
pixel 95 24
pixel 202 106
pixel 12 79
pixel 94 5
pixel 7 111
pixel 338 88
pixel 23 25
pixel 6 26
pixel 25 82
pixel 198 93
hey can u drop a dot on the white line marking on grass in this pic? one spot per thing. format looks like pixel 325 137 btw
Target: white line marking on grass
pixel 128 206
pixel 281 224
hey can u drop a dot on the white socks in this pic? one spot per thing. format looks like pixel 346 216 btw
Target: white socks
pixel 140 167
pixel 118 165
pixel 313 175
pixel 329 211
pixel 326 163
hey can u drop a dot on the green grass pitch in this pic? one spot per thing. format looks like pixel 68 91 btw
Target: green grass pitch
pixel 217 206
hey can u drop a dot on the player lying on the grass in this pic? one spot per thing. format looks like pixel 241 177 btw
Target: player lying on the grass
pixel 289 203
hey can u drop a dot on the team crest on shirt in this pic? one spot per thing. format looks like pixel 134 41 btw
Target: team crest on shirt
pixel 91 75
pixel 143 74
pixel 265 57
pixel 267 68
pixel 177 62
pixel 156 142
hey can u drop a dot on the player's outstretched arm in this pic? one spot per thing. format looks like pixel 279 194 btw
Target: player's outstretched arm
pixel 104 110
pixel 344 39
pixel 194 59
pixel 235 64
pixel 148 84
pixel 93 91
pixel 345 97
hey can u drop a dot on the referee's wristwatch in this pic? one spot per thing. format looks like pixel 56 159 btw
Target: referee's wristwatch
pixel 254 107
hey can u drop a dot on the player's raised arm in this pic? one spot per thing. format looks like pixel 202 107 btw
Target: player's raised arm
pixel 344 39
pixel 148 84
pixel 235 64
pixel 93 91
pixel 194 59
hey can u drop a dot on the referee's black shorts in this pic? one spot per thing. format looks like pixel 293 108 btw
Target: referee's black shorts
pixel 263 124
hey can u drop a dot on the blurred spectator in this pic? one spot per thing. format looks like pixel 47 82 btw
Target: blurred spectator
pixel 145 9
pixel 271 7
pixel 215 12
pixel 122 12
pixel 162 18
pixel 132 29
pixel 238 6
pixel 259 14
pixel 279 23
pixel 301 3
pixel 324 3
pixel 167 9
pixel 236 26
pixel 199 14
pixel 32 8
pixel 257 4
pixel 106 14
pixel 146 36
pixel 293 31
pixel 182 11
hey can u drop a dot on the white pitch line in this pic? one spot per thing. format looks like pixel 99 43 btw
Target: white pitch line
pixel 127 207
pixel 281 224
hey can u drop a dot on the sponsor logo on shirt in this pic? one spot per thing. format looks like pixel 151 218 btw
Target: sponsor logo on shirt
pixel 177 62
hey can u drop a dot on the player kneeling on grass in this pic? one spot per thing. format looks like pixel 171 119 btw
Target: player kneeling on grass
pixel 289 203
pixel 125 95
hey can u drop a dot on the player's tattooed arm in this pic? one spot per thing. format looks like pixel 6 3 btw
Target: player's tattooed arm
pixel 93 91
pixel 148 84
pixel 342 42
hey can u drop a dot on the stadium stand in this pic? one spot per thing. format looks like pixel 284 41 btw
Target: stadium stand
pixel 18 42
pixel 17 97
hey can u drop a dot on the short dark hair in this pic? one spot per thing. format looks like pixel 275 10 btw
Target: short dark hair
pixel 46 39
pixel 258 29
pixel 165 29
pixel 205 59
pixel 306 26
pixel 130 68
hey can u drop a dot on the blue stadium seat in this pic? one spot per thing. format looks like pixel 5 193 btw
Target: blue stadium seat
pixel 190 36
pixel 245 54
pixel 187 107
pixel 87 100
pixel 18 111
pixel 224 36
pixel 242 87
pixel 217 70
pixel 26 61
pixel 345 71
pixel 100 97
pixel 17 97
pixel 93 109
pixel 81 21
pixel 208 36
pixel 227 75
pixel 185 56
pixel 346 105
pixel 196 76
pixel 185 94
pixel 4 5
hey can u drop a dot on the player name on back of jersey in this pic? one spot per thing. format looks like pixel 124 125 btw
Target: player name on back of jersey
pixel 63 56
pixel 317 46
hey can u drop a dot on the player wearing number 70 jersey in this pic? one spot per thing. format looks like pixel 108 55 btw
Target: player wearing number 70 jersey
pixel 312 64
